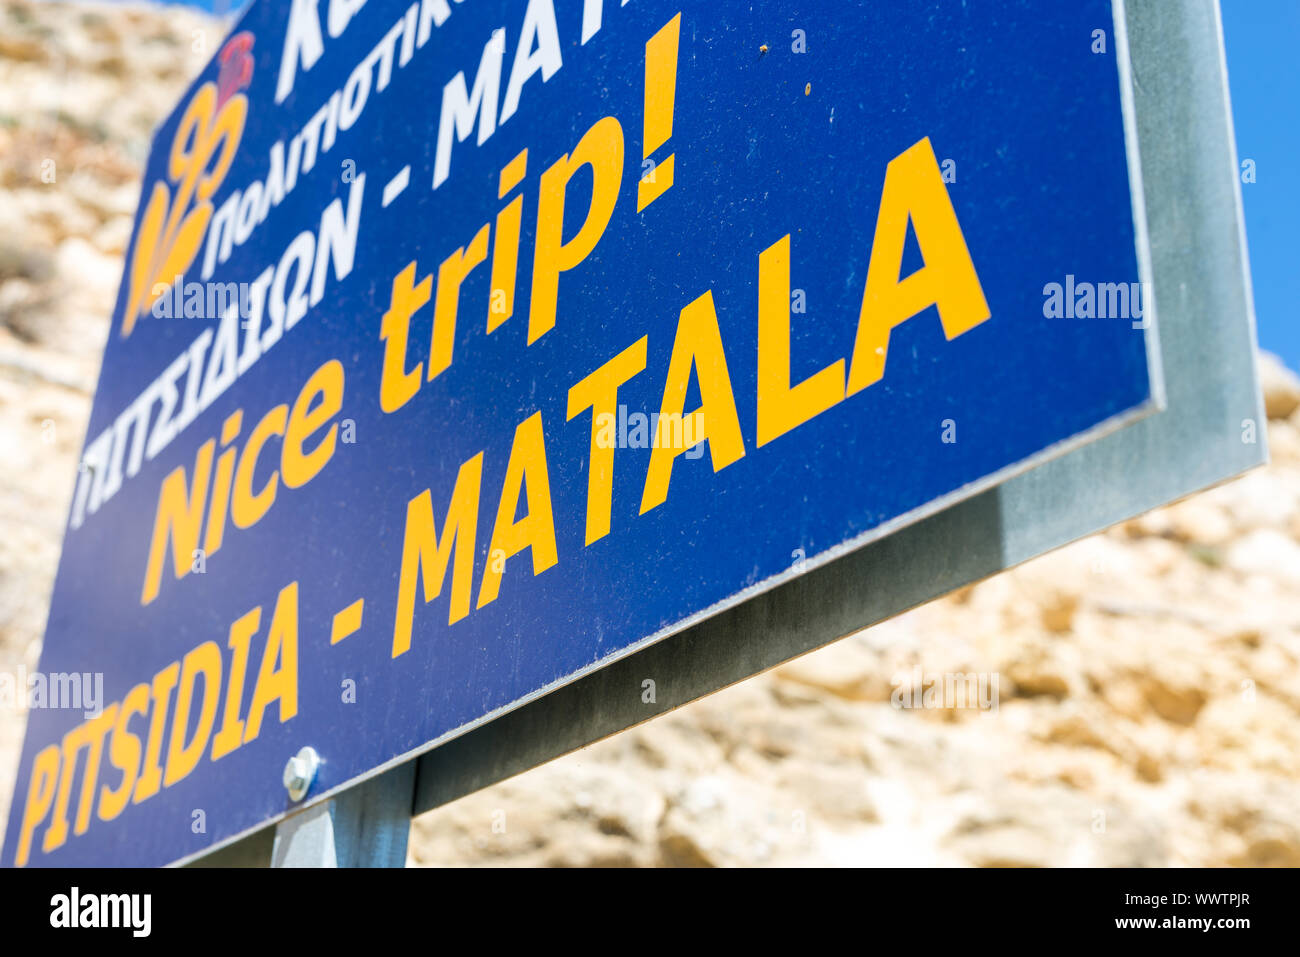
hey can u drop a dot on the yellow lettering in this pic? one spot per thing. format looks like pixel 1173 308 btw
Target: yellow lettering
pixel 599 392
pixel 40 795
pixel 914 189
pixel 124 751
pixel 425 556
pixel 150 780
pixel 231 734
pixel 179 514
pixel 95 731
pixel 505 250
pixel 220 506
pixel 780 407
pixel 182 757
pixel 602 149
pixel 536 530
pixel 699 344
pixel 246 508
pixel 451 275
pixel 296 467
pixel 396 385
pixel 277 684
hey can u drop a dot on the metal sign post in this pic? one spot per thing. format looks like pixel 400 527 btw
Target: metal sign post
pixel 364 826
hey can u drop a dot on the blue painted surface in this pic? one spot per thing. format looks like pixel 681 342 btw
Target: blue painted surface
pixel 765 144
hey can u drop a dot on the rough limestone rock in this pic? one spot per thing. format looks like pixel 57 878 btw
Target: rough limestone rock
pixel 1281 387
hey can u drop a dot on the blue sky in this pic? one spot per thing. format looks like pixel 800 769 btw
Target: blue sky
pixel 1264 77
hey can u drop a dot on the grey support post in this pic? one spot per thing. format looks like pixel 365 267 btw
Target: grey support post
pixel 363 826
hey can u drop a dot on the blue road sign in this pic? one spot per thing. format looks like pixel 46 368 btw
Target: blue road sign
pixel 465 348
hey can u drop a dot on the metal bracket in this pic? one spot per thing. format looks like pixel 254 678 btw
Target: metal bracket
pixel 364 826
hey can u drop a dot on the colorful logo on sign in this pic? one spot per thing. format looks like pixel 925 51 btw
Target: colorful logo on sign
pixel 179 211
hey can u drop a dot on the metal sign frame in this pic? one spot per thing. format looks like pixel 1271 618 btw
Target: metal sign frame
pixel 1211 430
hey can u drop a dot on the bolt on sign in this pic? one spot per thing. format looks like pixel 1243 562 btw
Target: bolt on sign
pixel 464 348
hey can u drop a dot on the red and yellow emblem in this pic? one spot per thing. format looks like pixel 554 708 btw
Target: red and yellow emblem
pixel 180 210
